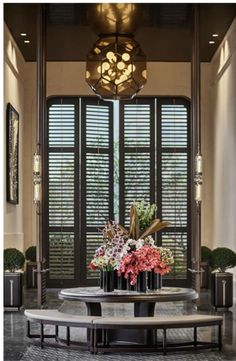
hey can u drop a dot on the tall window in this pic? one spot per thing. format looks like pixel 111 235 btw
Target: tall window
pixel 101 157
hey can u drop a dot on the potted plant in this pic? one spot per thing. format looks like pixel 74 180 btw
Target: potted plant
pixel 221 259
pixel 205 266
pixel 13 263
pixel 31 266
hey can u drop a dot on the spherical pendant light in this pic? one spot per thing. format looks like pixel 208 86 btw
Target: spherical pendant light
pixel 116 67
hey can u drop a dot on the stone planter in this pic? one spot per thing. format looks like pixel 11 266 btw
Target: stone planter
pixel 13 285
pixel 222 289
pixel 205 276
pixel 31 275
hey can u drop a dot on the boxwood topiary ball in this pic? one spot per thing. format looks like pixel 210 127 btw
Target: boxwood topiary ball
pixel 13 259
pixel 205 254
pixel 223 258
pixel 30 254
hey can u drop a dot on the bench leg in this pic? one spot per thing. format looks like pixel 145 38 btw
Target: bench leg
pixel 28 328
pixel 195 336
pixel 68 336
pixel 220 337
pixel 95 341
pixel 91 341
pixel 164 341
pixel 56 333
pixel 41 335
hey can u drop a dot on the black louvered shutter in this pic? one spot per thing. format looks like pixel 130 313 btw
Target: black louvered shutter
pixel 97 178
pixel 61 245
pixel 173 196
pixel 137 158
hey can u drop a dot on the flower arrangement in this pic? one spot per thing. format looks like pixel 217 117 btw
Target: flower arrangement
pixel 130 253
pixel 107 257
pixel 143 259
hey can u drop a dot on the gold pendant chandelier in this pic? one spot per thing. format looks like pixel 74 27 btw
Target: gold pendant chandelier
pixel 116 65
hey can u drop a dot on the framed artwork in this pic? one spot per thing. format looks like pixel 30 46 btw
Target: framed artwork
pixel 12 154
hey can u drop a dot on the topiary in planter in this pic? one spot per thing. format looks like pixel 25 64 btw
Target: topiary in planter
pixel 222 258
pixel 13 259
pixel 205 254
pixel 30 254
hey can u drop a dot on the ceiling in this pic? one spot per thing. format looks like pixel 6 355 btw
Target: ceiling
pixel 164 32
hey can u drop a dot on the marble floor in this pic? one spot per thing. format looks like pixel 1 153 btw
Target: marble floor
pixel 16 342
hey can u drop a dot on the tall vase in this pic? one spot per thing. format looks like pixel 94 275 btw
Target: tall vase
pixel 142 282
pixel 101 279
pixel 115 279
pixel 130 287
pixel 121 282
pixel 154 280
pixel 108 281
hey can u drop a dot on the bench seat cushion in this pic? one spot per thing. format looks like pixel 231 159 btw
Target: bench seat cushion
pixel 169 320
pixel 56 316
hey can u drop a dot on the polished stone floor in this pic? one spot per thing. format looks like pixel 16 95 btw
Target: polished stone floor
pixel 16 342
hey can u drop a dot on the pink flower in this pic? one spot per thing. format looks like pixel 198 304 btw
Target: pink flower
pixel 143 259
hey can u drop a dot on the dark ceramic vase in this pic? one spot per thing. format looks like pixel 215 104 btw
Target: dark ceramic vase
pixel 101 279
pixel 122 282
pixel 130 287
pixel 108 281
pixel 142 282
pixel 115 279
pixel 154 280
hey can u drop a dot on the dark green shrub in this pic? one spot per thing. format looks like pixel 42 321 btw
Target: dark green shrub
pixel 222 258
pixel 13 259
pixel 205 254
pixel 30 254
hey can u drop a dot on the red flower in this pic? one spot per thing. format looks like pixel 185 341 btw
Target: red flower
pixel 92 266
pixel 144 259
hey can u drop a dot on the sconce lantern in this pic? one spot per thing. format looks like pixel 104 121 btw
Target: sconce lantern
pixel 37 179
pixel 116 67
pixel 198 178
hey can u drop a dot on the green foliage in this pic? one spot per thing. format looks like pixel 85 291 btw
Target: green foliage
pixel 146 212
pixel 222 258
pixel 205 254
pixel 13 259
pixel 30 254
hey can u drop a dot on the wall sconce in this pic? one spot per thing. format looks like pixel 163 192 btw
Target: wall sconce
pixel 198 178
pixel 116 67
pixel 37 179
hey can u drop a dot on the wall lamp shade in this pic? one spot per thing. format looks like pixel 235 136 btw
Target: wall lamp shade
pixel 198 178
pixel 116 67
pixel 36 178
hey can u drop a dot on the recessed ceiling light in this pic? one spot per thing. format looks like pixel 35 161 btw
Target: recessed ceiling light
pixel 26 41
pixel 23 34
pixel 211 42
pixel 215 35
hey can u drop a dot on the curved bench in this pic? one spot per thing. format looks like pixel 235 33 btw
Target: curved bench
pixel 54 317
pixel 95 323
pixel 164 323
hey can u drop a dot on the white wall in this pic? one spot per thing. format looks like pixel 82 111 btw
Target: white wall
pixel 14 94
pixel 223 84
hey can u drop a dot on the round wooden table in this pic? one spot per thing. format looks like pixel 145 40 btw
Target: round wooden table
pixel 144 305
